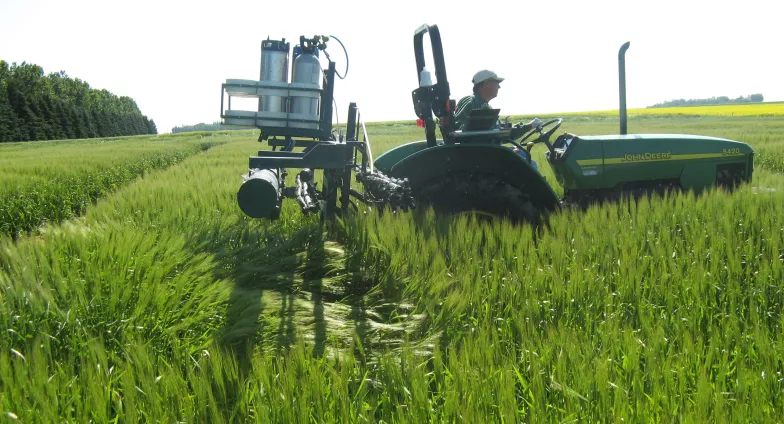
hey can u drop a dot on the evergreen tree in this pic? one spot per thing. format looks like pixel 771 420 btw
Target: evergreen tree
pixel 45 115
pixel 153 127
pixel 67 121
pixel 7 120
pixel 38 107
pixel 56 123
pixel 24 117
pixel 100 124
pixel 80 128
pixel 89 125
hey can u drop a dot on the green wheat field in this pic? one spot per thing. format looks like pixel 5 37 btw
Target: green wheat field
pixel 132 288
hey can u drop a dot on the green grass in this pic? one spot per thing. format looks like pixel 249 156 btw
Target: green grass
pixel 53 181
pixel 164 303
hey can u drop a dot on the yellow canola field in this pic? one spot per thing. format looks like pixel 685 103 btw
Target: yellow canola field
pixel 755 109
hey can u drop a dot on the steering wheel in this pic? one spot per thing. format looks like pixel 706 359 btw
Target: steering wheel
pixel 544 137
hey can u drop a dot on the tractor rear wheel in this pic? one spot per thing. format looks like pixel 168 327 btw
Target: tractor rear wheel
pixel 482 194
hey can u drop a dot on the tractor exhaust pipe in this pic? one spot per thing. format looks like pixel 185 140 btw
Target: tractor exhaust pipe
pixel 622 82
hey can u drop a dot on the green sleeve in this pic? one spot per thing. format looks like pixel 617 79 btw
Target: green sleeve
pixel 463 110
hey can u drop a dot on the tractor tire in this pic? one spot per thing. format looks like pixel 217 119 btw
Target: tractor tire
pixel 481 194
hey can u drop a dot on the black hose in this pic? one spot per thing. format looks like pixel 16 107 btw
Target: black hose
pixel 346 53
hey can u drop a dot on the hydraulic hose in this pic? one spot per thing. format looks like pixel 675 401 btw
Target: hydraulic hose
pixel 345 52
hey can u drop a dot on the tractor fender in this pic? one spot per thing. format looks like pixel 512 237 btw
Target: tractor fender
pixel 432 164
pixel 391 157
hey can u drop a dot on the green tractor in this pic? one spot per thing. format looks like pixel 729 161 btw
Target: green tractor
pixel 485 168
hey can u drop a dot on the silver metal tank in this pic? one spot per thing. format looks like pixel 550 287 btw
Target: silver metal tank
pixel 306 70
pixel 274 68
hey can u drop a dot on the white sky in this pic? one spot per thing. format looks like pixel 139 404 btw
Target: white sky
pixel 558 56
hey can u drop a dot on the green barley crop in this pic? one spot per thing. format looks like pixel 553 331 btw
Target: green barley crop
pixel 164 303
pixel 48 182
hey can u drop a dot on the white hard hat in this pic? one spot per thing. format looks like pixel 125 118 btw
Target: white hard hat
pixel 485 75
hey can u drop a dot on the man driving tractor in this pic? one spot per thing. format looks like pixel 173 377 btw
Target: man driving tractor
pixel 486 85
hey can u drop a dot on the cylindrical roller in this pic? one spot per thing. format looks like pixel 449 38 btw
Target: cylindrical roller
pixel 258 195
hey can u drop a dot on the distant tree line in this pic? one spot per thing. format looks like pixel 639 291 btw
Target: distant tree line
pixel 37 107
pixel 215 126
pixel 721 100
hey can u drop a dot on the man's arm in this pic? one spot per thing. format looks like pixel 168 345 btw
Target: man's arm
pixel 463 109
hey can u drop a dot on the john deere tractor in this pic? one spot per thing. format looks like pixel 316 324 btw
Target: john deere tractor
pixel 484 167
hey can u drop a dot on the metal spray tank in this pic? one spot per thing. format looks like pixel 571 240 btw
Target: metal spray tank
pixel 274 68
pixel 306 71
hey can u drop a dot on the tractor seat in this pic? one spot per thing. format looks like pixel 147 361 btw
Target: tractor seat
pixel 482 119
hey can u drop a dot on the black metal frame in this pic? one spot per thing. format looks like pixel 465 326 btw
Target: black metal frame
pixel 321 151
pixel 435 98
pixel 336 157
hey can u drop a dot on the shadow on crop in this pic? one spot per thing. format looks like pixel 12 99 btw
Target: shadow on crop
pixel 287 287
